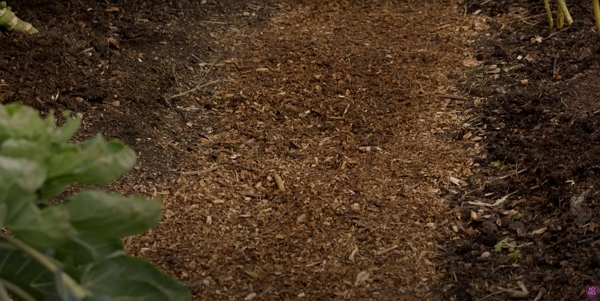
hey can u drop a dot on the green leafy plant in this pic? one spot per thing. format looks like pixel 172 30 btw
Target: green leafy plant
pixel 11 22
pixel 495 164
pixel 501 244
pixel 70 250
pixel 512 248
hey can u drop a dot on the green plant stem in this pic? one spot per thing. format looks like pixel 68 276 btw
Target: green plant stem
pixel 3 293
pixel 7 246
pixel 77 290
pixel 9 21
pixel 597 15
pixel 560 18
pixel 563 7
pixel 549 13
pixel 14 289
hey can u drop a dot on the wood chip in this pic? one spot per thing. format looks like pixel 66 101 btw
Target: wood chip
pixel 279 182
pixel 366 149
pixel 361 278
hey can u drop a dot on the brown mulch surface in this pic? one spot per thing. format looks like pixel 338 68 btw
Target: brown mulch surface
pixel 338 150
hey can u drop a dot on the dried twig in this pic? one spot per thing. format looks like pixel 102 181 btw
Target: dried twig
pixel 377 253
pixel 194 89
pixel 490 295
pixel 512 174
pixel 496 203
pixel 558 242
pixel 198 86
pixel 523 293
pixel 198 172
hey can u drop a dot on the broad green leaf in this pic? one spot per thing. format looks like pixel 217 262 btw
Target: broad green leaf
pixel 21 207
pixel 112 215
pixel 71 160
pixel 26 174
pixel 85 248
pixel 117 160
pixel 125 278
pixel 19 179
pixel 65 132
pixel 49 229
pixel 26 149
pixel 50 189
pixel 23 122
pixel 17 121
pixel 64 292
pixel 20 269
pixel 97 162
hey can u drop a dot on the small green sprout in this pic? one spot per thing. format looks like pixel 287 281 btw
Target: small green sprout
pixel 495 163
pixel 514 255
pixel 501 244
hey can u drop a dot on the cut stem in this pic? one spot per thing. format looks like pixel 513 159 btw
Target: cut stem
pixel 563 8
pixel 549 13
pixel 11 22
pixel 560 19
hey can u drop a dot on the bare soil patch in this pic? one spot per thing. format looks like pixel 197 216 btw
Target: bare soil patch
pixel 538 90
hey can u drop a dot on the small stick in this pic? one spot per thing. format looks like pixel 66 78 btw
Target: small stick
pixel 555 33
pixel 512 174
pixel 198 172
pixel 377 253
pixel 194 89
pixel 558 242
pixel 198 86
pixel 490 295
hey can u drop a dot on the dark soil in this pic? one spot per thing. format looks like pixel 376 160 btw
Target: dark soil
pixel 542 131
pixel 388 191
